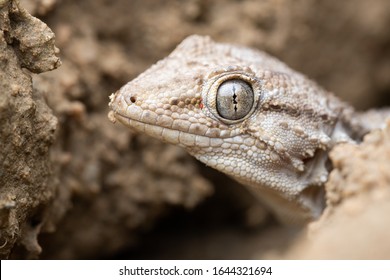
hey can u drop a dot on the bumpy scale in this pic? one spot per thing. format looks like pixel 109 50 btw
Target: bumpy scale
pixel 248 115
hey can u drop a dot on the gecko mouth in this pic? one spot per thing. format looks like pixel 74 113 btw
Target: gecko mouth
pixel 177 131
pixel 169 135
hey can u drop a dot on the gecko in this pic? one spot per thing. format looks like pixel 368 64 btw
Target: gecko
pixel 248 115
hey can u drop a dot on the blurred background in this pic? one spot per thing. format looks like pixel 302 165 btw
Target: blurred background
pixel 123 195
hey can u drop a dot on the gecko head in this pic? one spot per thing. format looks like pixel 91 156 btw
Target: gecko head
pixel 174 99
pixel 197 97
pixel 235 109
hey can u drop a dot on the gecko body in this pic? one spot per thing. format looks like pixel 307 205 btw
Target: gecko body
pixel 245 114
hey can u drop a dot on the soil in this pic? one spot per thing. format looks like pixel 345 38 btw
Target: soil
pixel 75 186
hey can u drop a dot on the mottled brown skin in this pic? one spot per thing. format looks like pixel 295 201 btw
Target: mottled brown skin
pixel 279 148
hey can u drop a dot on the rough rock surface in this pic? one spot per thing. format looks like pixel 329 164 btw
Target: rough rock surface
pixel 355 223
pixel 27 131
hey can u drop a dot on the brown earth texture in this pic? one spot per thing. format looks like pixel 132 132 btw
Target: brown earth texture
pixel 75 186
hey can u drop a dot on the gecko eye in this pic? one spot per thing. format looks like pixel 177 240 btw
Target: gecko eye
pixel 234 99
pixel 232 94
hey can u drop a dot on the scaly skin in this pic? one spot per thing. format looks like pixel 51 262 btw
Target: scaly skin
pixel 277 144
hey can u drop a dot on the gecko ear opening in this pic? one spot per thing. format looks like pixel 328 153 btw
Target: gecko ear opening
pixel 232 94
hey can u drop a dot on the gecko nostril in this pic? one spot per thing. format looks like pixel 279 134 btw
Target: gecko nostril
pixel 133 99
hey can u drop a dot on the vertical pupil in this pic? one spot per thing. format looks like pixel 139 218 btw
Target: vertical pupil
pixel 234 98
